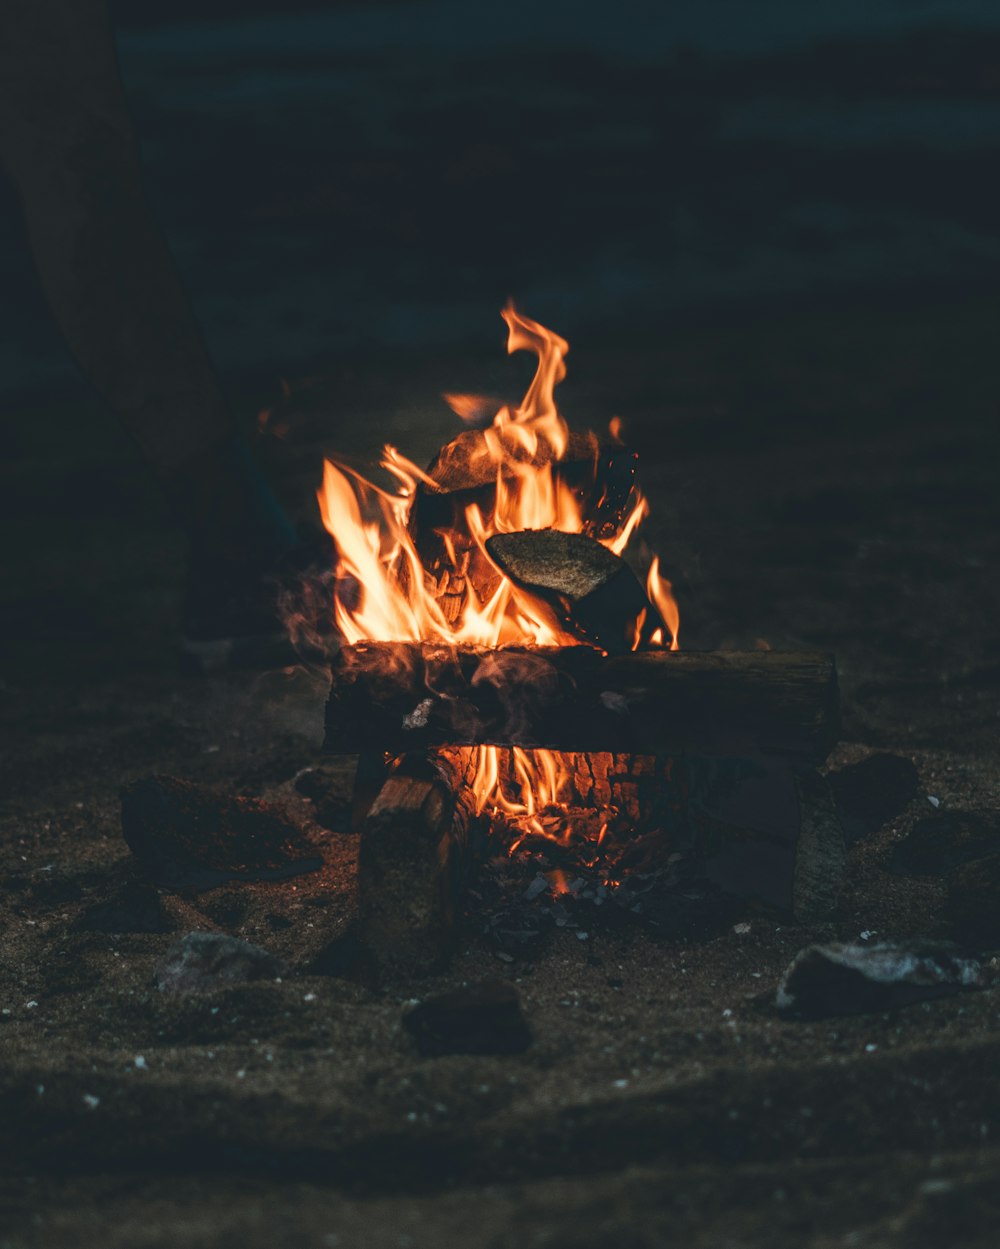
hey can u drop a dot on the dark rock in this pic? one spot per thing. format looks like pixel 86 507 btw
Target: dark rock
pixel 946 840
pixel 329 789
pixel 186 836
pixel 973 904
pixel 594 591
pixel 842 979
pixel 137 907
pixel 484 1018
pixel 202 961
pixel 870 793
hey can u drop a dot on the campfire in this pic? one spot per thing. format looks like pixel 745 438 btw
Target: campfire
pixel 513 537
pixel 509 680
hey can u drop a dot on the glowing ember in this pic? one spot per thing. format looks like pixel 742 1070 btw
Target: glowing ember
pixel 384 591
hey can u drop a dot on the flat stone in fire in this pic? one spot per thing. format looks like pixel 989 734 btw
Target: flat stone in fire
pixel 595 591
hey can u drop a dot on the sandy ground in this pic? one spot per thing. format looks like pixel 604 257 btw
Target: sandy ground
pixel 824 478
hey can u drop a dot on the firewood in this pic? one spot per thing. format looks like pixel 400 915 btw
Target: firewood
pixel 411 863
pixel 594 591
pixel 467 461
pixel 601 475
pixel 404 696
pixel 759 829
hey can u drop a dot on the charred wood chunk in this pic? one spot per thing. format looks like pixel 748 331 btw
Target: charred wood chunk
pixel 483 1018
pixel 871 793
pixel 186 836
pixel 474 457
pixel 464 474
pixel 593 590
pixel 402 696
pixel 760 830
pixel 411 863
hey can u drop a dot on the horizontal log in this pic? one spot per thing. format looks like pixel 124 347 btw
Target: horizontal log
pixel 404 696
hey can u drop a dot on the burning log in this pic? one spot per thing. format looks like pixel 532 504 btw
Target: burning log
pixel 402 696
pixel 756 829
pixel 469 462
pixel 601 477
pixel 594 591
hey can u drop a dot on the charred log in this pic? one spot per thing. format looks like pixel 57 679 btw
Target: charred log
pixel 464 473
pixel 400 696
pixel 412 860
pixel 595 592
pixel 756 829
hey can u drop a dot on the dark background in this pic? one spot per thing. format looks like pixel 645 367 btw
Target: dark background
pixel 384 175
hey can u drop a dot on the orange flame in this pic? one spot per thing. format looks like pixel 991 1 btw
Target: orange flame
pixel 384 592
pixel 472 409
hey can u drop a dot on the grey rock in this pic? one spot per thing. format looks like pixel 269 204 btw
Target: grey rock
pixel 849 979
pixel 203 961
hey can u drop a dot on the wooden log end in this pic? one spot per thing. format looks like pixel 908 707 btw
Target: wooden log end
pixel 411 866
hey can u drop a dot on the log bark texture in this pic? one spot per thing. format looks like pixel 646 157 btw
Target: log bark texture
pixel 412 859
pixel 401 696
